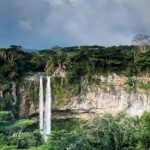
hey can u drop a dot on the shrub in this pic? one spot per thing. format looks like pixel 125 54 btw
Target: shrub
pixel 101 133
pixel 143 135
pixel 5 115
pixel 60 140
pixel 107 132
pixel 26 139
pixel 24 125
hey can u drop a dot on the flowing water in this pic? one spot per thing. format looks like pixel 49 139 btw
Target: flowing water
pixel 48 107
pixel 41 106
pixel 45 109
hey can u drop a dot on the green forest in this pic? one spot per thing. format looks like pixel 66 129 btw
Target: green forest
pixel 77 62
pixel 69 66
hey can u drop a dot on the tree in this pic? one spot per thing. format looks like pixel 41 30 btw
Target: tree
pixel 142 41
pixel 142 45
pixel 143 136
pixel 101 133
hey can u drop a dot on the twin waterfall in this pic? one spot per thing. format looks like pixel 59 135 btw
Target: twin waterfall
pixel 45 108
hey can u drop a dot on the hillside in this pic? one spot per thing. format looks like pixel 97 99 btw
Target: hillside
pixel 86 82
pixel 80 76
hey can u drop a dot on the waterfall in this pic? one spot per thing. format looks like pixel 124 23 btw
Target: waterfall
pixel 45 109
pixel 48 108
pixel 41 106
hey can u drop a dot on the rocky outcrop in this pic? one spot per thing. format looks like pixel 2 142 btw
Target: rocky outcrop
pixel 13 92
pixel 111 94
pixel 28 98
pixel 98 100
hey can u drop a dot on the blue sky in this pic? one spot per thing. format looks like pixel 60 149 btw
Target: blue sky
pixel 39 24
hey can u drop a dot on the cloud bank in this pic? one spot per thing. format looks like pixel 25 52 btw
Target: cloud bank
pixel 46 23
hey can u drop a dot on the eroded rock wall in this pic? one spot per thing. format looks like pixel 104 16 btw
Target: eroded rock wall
pixel 113 95
pixel 99 100
pixel 110 94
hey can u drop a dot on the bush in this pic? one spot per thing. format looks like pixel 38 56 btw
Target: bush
pixel 107 132
pixel 143 135
pixel 60 140
pixel 5 115
pixel 101 133
pixel 5 147
pixel 24 125
pixel 3 139
pixel 26 139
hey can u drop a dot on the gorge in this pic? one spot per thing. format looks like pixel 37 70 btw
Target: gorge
pixel 85 81
pixel 111 94
pixel 94 95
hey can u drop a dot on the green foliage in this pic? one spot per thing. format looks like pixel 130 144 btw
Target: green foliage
pixel 26 139
pixel 24 122
pixel 20 133
pixel 6 147
pixel 6 102
pixel 60 140
pixel 5 115
pixel 68 124
pixel 107 132
pixel 77 64
pixel 24 125
pixel 143 135
pixel 9 127
pixel 3 139
pixel 142 85
pixel 76 61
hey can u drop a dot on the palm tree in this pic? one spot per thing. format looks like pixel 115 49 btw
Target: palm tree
pixel 56 66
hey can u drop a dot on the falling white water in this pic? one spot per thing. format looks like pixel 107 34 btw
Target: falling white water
pixel 41 105
pixel 48 108
pixel 45 109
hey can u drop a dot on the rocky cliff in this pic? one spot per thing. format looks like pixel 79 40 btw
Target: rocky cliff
pixel 111 94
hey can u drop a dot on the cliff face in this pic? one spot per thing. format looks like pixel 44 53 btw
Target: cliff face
pixel 110 94
pixel 21 98
pixel 98 100
pixel 28 99
pixel 113 95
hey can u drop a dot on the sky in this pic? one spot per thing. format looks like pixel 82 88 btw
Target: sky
pixel 39 24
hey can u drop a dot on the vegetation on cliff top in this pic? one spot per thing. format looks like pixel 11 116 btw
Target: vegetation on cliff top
pixel 74 62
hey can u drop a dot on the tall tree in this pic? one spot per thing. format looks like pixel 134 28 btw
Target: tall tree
pixel 142 45
pixel 142 42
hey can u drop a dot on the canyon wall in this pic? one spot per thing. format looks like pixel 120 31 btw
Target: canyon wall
pixel 110 94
